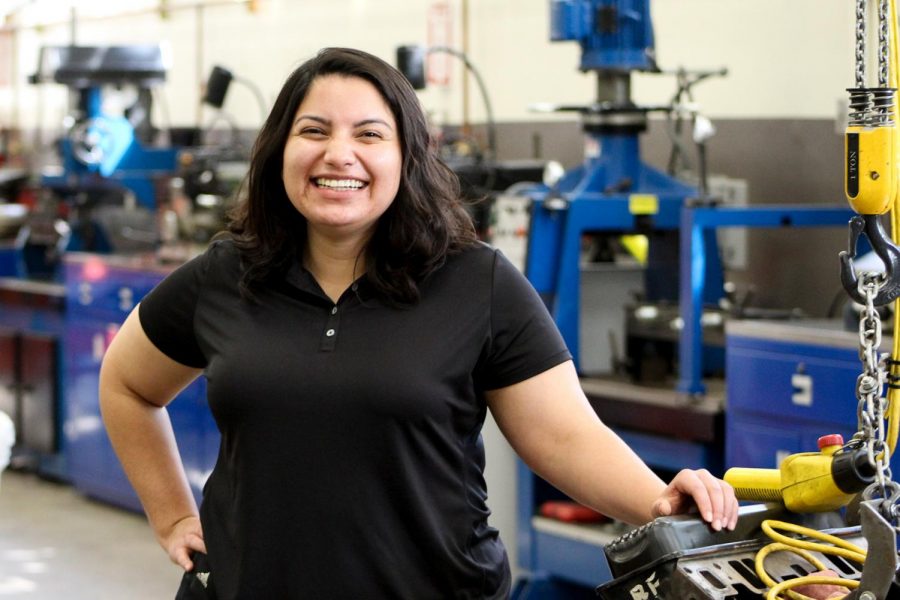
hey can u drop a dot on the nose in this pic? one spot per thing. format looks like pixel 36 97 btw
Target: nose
pixel 339 152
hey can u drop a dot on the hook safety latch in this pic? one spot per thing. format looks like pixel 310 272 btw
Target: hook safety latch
pixel 884 248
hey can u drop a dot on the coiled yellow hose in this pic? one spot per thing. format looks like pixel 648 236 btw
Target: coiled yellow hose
pixel 835 546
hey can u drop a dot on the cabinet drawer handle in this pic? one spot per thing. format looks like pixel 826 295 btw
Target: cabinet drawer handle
pixel 803 389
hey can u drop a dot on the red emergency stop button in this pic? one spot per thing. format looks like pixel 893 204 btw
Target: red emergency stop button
pixel 832 439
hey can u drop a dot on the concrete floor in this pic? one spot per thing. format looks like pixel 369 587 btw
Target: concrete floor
pixel 56 543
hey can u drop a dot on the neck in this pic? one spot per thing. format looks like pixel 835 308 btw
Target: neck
pixel 335 264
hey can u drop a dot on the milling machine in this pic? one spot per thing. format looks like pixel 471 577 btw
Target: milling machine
pixel 114 165
pixel 91 245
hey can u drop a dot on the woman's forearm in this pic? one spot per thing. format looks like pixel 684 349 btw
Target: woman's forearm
pixel 596 468
pixel 141 434
pixel 552 426
pixel 137 381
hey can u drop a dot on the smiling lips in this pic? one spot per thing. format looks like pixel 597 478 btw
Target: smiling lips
pixel 339 184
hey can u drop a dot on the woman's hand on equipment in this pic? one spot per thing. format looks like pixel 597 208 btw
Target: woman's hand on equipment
pixel 713 497
pixel 183 539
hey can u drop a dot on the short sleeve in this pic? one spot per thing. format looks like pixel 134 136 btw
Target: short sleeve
pixel 167 313
pixel 524 340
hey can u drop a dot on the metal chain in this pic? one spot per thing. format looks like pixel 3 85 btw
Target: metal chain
pixel 860 43
pixel 872 106
pixel 871 404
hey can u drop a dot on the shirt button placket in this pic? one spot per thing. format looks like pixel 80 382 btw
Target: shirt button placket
pixel 329 338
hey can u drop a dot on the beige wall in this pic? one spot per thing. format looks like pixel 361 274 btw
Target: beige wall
pixel 785 58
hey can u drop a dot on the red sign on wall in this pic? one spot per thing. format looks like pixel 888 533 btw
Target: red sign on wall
pixel 440 33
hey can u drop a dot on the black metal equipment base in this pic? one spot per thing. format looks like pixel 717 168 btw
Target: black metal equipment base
pixel 679 558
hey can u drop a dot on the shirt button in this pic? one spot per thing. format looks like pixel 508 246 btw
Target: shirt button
pixel 330 332
pixel 334 310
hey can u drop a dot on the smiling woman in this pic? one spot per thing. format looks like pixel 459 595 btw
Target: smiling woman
pixel 342 165
pixel 353 334
pixel 347 116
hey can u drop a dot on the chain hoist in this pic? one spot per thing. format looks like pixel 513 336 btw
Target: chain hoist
pixel 870 181
pixel 871 186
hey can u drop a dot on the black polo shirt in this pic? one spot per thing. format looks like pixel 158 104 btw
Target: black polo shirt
pixel 351 459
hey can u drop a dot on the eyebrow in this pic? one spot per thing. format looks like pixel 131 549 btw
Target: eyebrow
pixel 362 123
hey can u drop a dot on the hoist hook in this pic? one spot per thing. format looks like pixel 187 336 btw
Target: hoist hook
pixel 884 248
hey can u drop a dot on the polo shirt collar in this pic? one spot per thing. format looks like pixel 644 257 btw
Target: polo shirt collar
pixel 302 279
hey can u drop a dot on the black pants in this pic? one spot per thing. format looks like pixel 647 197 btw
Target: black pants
pixel 197 583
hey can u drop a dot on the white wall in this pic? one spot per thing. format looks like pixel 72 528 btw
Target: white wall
pixel 785 59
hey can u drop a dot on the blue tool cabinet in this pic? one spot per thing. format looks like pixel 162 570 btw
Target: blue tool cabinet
pixel 788 383
pixel 100 293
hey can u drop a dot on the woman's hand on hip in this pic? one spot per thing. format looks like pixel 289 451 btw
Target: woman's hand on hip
pixel 183 539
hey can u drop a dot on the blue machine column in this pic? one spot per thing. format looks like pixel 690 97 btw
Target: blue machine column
pixel 613 191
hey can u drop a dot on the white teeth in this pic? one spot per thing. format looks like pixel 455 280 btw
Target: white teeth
pixel 339 184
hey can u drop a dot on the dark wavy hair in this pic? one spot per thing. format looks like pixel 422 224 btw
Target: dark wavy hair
pixel 424 224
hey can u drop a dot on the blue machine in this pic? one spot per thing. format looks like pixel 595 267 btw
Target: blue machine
pixel 111 179
pixel 99 208
pixel 613 35
pixel 613 191
pixel 109 164
pixel 102 143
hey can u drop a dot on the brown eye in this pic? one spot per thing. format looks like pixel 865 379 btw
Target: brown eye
pixel 372 135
